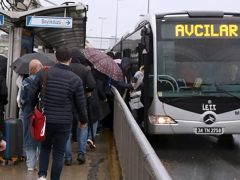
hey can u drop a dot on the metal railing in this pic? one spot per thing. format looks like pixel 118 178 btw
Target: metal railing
pixel 137 158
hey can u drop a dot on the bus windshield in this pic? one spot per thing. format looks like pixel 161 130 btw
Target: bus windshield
pixel 198 57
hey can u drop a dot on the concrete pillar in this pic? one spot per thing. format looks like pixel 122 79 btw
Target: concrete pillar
pixel 14 51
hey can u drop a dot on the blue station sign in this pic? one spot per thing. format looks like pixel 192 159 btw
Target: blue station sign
pixel 1 19
pixel 49 21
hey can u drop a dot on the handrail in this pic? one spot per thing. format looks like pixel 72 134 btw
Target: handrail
pixel 137 158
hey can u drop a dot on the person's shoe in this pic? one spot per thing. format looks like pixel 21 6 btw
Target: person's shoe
pixel 30 169
pixel 42 178
pixel 91 144
pixel 68 162
pixel 81 158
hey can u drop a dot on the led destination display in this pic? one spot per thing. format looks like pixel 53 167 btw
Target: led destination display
pixel 206 30
pixel 200 31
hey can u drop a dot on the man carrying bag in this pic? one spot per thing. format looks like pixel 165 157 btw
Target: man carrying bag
pixel 64 89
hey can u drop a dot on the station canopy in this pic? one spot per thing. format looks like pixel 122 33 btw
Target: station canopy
pixel 52 37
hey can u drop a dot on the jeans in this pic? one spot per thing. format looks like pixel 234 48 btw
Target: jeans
pixel 68 150
pixel 95 125
pixel 20 116
pixel 82 135
pixel 32 154
pixel 56 139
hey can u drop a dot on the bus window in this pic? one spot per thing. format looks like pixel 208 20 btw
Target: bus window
pixel 205 59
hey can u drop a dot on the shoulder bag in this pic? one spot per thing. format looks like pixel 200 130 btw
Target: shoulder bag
pixel 37 119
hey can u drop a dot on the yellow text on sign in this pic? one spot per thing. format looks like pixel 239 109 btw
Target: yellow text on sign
pixel 206 30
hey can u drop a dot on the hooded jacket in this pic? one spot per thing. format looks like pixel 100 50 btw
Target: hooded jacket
pixel 78 66
pixel 78 57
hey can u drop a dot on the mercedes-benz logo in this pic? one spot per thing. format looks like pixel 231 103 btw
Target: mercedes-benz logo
pixel 209 119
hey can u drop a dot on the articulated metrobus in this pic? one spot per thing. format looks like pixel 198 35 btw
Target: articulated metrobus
pixel 192 71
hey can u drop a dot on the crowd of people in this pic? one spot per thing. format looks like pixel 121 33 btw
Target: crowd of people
pixel 74 104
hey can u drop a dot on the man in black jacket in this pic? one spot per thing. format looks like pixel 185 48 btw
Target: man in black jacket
pixel 64 89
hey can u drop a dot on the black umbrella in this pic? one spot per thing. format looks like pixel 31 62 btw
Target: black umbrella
pixel 3 65
pixel 20 65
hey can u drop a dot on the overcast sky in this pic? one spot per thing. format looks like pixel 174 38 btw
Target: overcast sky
pixel 129 11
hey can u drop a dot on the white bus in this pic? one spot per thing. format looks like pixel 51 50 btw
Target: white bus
pixel 192 71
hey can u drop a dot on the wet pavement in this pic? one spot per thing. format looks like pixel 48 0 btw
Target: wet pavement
pixel 101 164
pixel 192 157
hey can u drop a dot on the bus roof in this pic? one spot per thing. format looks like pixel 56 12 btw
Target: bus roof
pixel 199 14
pixel 192 14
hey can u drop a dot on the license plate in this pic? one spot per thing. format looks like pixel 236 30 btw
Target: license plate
pixel 209 130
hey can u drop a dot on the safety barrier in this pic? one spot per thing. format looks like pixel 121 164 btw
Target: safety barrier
pixel 137 158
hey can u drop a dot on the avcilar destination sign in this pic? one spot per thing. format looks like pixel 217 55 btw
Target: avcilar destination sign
pixel 207 30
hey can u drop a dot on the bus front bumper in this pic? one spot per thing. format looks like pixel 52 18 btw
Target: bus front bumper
pixel 195 127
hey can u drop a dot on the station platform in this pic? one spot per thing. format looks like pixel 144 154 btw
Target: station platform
pixel 101 164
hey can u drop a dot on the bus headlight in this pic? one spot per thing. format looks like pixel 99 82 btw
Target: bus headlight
pixel 161 119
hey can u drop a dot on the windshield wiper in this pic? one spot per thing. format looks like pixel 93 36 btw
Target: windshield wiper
pixel 214 89
pixel 175 99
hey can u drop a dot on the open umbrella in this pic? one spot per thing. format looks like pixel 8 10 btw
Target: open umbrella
pixel 103 63
pixel 20 65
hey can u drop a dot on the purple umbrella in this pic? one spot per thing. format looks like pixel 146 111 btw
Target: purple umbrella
pixel 103 63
